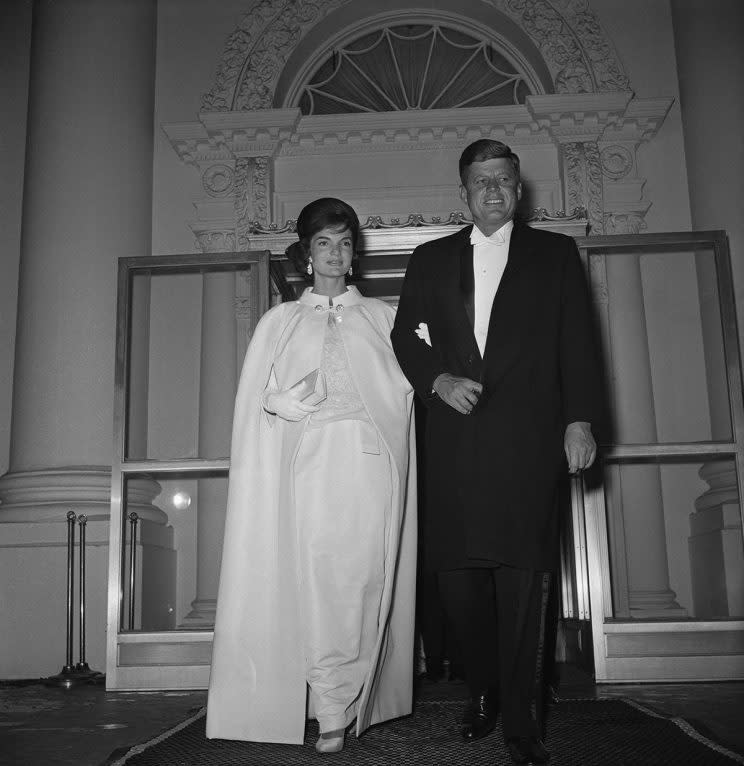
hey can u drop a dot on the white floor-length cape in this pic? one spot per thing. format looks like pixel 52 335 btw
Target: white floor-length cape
pixel 257 689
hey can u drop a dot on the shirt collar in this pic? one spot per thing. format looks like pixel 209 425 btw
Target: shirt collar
pixel 499 237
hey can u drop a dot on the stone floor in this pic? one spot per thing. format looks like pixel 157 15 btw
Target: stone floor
pixel 43 726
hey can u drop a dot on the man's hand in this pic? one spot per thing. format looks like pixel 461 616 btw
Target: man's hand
pixel 460 393
pixel 288 404
pixel 580 447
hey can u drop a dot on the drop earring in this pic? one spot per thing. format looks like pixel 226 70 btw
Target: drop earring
pixel 351 271
pixel 309 268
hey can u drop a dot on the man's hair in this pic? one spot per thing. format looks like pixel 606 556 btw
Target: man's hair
pixel 486 149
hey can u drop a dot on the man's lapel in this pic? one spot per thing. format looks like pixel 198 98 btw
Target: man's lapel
pixel 466 293
pixel 467 279
pixel 504 339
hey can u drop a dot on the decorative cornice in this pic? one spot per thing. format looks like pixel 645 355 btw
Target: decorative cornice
pixel 609 117
pixel 640 121
pixel 580 117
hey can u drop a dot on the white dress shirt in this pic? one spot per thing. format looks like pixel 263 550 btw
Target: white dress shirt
pixel 489 261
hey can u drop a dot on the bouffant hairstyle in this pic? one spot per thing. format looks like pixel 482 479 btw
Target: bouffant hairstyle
pixel 486 149
pixel 326 212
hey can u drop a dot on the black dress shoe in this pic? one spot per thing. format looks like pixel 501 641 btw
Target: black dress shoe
pixel 527 750
pixel 456 673
pixel 434 669
pixel 480 718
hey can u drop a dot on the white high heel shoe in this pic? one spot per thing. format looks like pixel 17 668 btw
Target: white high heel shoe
pixel 331 741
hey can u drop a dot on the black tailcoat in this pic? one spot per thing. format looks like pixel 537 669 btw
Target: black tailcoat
pixel 492 475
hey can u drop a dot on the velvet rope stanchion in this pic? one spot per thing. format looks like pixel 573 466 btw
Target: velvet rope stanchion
pixel 75 674
pixel 67 677
pixel 82 668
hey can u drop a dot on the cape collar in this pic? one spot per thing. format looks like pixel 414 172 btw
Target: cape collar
pixel 351 297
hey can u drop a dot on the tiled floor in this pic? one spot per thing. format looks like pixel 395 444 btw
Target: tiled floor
pixel 42 726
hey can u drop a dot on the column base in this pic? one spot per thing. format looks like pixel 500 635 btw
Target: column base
pixel 202 614
pixel 715 543
pixel 48 494
pixel 656 605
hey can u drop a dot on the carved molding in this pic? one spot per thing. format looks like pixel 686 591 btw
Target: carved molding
pixel 251 201
pixel 583 181
pixel 266 35
pixel 214 240
pixel 573 44
pixel 624 223
pixel 578 54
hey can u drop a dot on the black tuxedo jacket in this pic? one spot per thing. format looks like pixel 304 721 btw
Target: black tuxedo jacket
pixel 492 475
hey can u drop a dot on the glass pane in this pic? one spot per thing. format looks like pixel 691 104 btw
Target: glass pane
pixel 675 540
pixel 172 544
pixel 662 342
pixel 189 332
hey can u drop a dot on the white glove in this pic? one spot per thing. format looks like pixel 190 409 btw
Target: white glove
pixel 288 404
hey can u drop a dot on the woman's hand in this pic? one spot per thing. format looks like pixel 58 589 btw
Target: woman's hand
pixel 288 404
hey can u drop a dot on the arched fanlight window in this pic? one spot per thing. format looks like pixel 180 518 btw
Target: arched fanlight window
pixel 413 66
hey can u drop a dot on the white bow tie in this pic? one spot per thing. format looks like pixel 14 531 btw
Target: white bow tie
pixel 477 237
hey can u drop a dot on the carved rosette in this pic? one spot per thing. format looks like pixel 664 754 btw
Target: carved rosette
pixel 218 180
pixel 616 161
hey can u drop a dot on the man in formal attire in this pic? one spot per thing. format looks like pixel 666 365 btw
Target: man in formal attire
pixel 494 331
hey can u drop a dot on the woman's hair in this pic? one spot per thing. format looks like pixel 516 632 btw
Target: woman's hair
pixel 326 212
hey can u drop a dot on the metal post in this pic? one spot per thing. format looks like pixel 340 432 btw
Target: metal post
pixel 133 519
pixel 70 587
pixel 82 665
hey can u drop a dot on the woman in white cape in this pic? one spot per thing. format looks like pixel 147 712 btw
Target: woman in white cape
pixel 316 599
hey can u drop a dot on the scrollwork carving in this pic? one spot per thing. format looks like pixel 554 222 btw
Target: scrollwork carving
pixel 583 178
pixel 251 196
pixel 595 188
pixel 573 159
pixel 216 241
pixel 257 51
pixel 572 42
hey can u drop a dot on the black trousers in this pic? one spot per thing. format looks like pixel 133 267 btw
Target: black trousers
pixel 498 615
